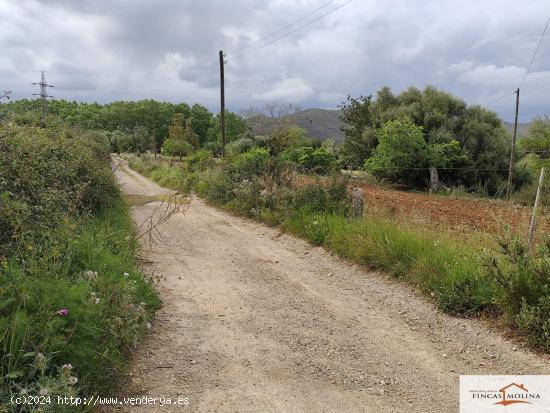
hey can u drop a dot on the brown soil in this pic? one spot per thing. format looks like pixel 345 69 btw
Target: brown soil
pixel 466 214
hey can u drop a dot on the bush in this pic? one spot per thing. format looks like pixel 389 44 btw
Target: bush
pixel 319 160
pixel 69 314
pixel 45 174
pixel 239 146
pixel 330 197
pixel 523 282
pixel 248 164
pixel 176 147
pixel 199 161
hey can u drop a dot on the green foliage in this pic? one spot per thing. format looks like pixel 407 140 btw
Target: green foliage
pixel 202 119
pixel 319 160
pixel 235 128
pixel 199 161
pixel 155 116
pixel 143 140
pixel 401 153
pixel 537 140
pixel 189 135
pixel 289 137
pixel 45 174
pixel 248 164
pixel 360 139
pixel 176 131
pixel 526 176
pixel 524 288
pixel 241 145
pixel 176 147
pixel 445 155
pixel 483 141
pixel 67 242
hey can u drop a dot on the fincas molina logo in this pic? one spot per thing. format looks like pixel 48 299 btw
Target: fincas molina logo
pixel 514 394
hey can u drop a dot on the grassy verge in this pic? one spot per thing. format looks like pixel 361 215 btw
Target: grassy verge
pixel 461 279
pixel 73 301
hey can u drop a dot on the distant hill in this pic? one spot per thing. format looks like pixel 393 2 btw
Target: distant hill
pixel 319 123
pixel 326 124
pixel 522 128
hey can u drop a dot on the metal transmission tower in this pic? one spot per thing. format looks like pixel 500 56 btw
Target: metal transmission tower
pixel 43 94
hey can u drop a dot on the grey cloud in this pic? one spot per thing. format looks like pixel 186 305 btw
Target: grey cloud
pixel 167 49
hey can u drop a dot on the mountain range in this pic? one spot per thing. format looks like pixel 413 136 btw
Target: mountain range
pixel 325 124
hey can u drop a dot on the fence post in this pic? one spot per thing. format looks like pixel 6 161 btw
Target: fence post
pixel 533 225
pixel 357 202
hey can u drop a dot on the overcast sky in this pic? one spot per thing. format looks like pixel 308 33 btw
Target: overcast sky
pixel 104 50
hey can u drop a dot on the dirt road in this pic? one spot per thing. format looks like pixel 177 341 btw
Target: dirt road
pixel 257 321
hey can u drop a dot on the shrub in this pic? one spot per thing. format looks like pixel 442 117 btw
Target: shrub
pixel 45 174
pixel 176 147
pixel 329 197
pixel 199 161
pixel 319 160
pixel 66 243
pixel 248 164
pixel 239 146
pixel 523 282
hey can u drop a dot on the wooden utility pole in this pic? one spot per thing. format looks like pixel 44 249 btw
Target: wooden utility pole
pixel 513 150
pixel 222 105
pixel 533 225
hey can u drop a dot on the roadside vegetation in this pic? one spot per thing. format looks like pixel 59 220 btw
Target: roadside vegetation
pixel 419 140
pixel 73 302
pixel 271 186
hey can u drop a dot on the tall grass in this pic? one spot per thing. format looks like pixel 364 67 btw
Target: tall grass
pixel 73 302
pixel 460 278
pixel 453 274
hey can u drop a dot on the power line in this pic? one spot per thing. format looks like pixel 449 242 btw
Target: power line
pixel 292 31
pixel 43 94
pixel 282 28
pixel 536 51
pixel 500 98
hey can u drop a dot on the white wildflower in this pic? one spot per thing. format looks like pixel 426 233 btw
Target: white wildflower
pixel 67 367
pixel 126 274
pixel 90 274
pixel 43 392
pixel 97 300
pixel 73 380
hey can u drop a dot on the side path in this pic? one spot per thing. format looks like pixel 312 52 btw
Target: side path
pixel 256 321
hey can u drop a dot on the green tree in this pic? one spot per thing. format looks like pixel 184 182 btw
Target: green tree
pixel 189 134
pixel 289 137
pixel 360 135
pixel 483 141
pixel 401 154
pixel 537 140
pixel 176 130
pixel 235 128
pixel 177 147
pixel 143 140
pixel 202 119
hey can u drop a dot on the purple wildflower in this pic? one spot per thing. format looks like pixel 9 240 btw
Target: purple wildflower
pixel 64 312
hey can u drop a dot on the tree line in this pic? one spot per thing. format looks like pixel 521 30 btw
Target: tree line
pixel 415 139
